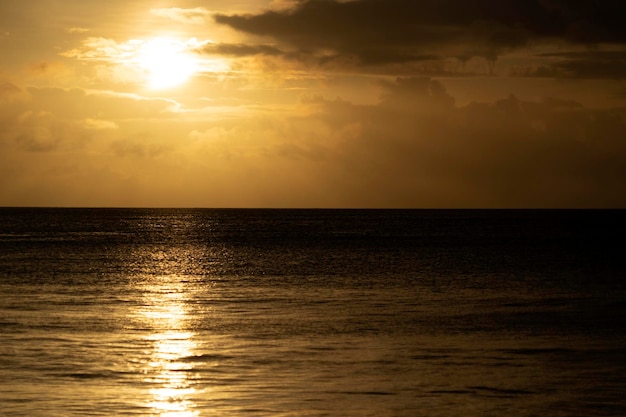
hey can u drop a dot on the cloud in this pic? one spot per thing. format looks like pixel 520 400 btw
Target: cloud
pixel 79 104
pixel 42 131
pixel 240 50
pixel 587 64
pixel 55 119
pixel 133 61
pixel 136 148
pixel 47 68
pixel 76 147
pixel 377 32
pixel 10 91
pixel 101 49
pixel 416 148
pixel 195 16
pixel 77 30
pixel 98 124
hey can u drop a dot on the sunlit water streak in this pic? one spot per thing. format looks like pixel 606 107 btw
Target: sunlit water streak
pixel 165 312
pixel 309 313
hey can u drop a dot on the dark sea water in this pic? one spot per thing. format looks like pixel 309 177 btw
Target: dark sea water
pixel 132 312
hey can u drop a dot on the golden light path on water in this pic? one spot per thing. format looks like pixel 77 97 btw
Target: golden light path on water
pixel 167 374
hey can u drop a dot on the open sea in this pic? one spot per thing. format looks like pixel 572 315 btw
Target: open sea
pixel 181 313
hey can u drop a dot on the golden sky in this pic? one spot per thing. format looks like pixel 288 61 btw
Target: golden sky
pixel 313 103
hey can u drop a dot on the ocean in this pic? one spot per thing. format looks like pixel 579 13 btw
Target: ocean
pixel 228 312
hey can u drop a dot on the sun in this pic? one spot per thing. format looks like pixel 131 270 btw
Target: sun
pixel 166 62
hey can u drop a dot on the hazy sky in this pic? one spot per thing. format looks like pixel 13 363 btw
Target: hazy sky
pixel 313 103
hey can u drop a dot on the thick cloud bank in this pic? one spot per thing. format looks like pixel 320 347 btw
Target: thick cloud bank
pixel 416 148
pixel 377 32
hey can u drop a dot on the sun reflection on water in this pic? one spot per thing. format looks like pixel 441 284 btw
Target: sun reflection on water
pixel 168 375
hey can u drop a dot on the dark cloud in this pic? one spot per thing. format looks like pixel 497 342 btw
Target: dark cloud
pixel 588 64
pixel 392 31
pixel 234 49
pixel 424 64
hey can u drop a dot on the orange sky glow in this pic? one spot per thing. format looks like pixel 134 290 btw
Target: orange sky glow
pixel 311 103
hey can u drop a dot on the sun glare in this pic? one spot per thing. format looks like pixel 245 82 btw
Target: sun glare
pixel 166 62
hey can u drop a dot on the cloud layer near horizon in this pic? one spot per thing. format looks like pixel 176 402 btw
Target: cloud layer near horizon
pixel 415 147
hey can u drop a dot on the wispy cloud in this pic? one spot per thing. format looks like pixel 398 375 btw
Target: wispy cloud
pixel 99 124
pixel 77 30
pixel 195 16
pixel 239 49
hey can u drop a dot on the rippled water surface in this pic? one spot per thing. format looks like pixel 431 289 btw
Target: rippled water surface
pixel 312 313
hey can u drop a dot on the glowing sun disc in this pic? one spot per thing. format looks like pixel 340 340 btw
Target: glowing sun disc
pixel 166 63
